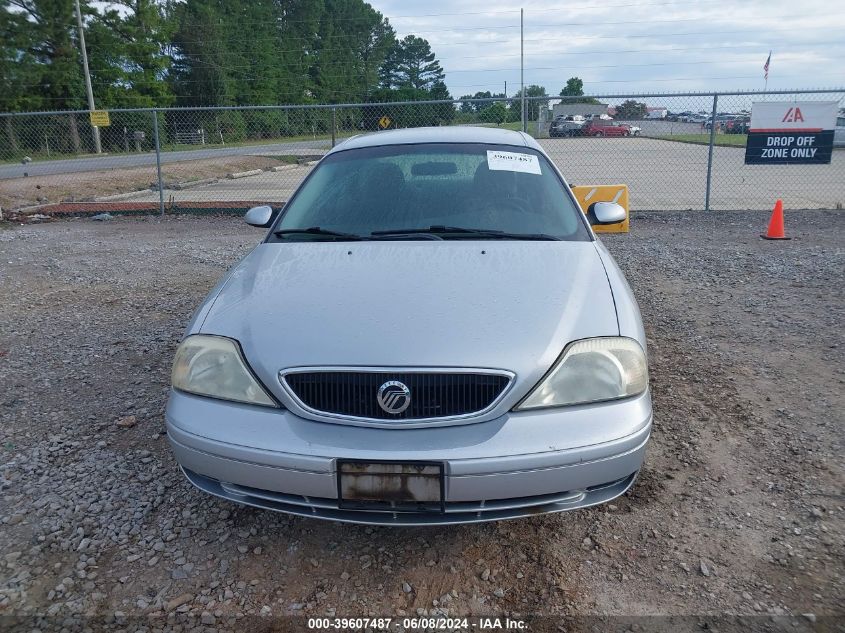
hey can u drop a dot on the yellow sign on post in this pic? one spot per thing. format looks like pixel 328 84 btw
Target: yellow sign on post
pixel 100 118
pixel 588 194
pixel 384 122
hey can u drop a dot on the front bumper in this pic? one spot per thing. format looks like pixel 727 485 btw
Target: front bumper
pixel 518 464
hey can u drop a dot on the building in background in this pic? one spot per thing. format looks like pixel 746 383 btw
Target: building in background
pixel 584 109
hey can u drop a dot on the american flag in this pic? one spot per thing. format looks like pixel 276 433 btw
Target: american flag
pixel 766 65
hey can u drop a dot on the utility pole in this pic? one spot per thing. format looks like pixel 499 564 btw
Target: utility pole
pixel 521 66
pixel 97 147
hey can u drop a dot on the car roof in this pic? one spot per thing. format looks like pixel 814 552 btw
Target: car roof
pixel 444 134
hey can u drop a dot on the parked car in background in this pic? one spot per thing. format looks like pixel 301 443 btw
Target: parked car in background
pixel 635 129
pixel 738 125
pixel 488 361
pixel 721 120
pixel 839 132
pixel 600 127
pixel 566 126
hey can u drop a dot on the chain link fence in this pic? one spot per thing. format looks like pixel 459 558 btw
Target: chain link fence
pixel 674 151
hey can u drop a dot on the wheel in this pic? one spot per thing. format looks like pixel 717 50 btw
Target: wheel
pixel 599 134
pixel 626 134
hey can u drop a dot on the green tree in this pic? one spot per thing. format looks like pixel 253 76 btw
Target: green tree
pixel 228 52
pixel 42 70
pixel 444 112
pixel 631 109
pixel 411 63
pixel 470 107
pixel 575 88
pixel 532 108
pixel 495 112
pixel 352 44
pixel 41 36
pixel 128 55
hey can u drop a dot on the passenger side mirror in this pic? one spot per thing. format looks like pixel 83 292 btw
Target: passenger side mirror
pixel 260 216
pixel 606 213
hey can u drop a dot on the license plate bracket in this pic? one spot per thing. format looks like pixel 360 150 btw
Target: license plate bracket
pixel 391 486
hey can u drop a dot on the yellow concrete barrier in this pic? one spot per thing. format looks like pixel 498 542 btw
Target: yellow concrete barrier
pixel 588 194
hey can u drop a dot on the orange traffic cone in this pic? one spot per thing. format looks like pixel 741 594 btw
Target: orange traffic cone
pixel 775 230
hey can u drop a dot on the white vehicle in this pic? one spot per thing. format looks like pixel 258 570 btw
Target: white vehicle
pixel 839 132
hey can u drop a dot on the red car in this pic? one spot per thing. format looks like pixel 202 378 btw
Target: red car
pixel 600 127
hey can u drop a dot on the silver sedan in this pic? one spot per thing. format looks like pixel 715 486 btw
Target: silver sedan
pixel 429 333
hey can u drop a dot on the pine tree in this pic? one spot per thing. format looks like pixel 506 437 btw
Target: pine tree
pixel 411 64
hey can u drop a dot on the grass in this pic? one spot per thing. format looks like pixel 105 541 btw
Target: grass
pixel 516 126
pixel 176 147
pixel 726 140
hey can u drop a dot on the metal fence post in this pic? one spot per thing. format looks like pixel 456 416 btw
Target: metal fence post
pixel 710 152
pixel 158 163
pixel 334 125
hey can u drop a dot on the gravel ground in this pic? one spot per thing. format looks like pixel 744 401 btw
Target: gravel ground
pixel 41 189
pixel 739 509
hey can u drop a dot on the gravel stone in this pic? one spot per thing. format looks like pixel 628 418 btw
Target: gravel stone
pixel 745 360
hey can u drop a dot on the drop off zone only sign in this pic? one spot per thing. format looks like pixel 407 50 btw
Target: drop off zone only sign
pixel 791 132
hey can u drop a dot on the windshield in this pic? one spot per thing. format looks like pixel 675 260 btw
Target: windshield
pixel 396 188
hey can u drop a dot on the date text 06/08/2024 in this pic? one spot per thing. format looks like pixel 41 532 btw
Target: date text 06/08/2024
pixel 417 623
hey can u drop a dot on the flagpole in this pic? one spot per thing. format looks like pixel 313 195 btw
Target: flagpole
pixel 766 76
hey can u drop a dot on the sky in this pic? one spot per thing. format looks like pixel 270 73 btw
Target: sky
pixel 630 46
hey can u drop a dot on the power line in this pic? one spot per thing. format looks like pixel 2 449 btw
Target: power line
pixel 830 43
pixel 139 82
pixel 502 12
pixel 498 83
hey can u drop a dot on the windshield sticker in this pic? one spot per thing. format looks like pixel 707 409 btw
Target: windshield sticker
pixel 513 161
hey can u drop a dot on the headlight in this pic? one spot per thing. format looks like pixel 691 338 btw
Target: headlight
pixel 214 366
pixel 592 370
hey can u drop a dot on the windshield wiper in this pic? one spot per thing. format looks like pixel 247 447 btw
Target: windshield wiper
pixel 316 230
pixel 438 229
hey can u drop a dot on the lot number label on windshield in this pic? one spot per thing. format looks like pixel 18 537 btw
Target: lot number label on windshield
pixel 513 161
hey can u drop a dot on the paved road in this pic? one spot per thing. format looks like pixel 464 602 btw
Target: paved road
pixel 96 163
pixel 117 161
pixel 660 175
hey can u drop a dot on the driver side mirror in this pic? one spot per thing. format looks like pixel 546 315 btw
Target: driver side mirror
pixel 261 216
pixel 606 213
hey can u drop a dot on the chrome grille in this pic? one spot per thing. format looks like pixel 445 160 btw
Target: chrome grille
pixel 434 395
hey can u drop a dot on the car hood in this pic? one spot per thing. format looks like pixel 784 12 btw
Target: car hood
pixel 473 304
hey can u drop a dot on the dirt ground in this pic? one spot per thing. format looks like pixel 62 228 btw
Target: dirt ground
pixel 84 186
pixel 737 512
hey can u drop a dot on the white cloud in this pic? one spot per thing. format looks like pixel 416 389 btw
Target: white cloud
pixel 630 45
